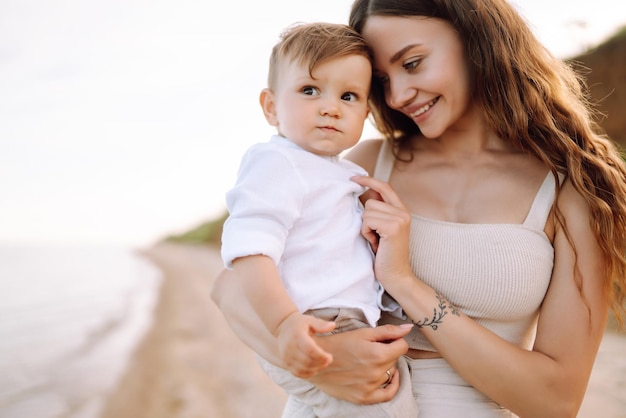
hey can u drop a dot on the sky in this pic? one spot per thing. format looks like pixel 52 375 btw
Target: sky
pixel 123 121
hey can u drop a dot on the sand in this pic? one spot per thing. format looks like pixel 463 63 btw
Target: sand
pixel 191 365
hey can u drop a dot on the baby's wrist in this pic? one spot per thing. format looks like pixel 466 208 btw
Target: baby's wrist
pixel 280 326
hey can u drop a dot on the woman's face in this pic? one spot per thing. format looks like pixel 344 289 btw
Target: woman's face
pixel 421 63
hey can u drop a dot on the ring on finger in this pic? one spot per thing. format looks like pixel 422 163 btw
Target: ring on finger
pixel 389 377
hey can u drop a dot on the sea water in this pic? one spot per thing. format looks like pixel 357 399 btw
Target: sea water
pixel 70 318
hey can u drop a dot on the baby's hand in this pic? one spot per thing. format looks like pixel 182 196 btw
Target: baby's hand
pixel 302 356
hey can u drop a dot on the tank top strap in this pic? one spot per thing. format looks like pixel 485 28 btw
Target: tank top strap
pixel 384 163
pixel 539 210
pixel 542 205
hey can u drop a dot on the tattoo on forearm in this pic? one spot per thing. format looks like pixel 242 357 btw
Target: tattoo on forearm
pixel 439 312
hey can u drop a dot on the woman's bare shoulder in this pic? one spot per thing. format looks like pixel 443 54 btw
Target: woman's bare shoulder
pixel 572 203
pixel 365 154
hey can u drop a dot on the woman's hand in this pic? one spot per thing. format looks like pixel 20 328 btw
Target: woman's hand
pixel 361 359
pixel 386 226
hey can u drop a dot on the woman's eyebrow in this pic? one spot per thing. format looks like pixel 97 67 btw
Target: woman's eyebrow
pixel 395 57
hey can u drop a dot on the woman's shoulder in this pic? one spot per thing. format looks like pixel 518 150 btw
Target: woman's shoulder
pixel 576 215
pixel 572 203
pixel 365 154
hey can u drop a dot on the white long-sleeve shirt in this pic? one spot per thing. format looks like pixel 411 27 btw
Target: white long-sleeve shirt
pixel 303 211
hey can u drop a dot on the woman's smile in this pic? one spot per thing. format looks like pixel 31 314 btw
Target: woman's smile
pixel 423 109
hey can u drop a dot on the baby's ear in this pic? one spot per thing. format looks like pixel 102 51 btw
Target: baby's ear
pixel 269 106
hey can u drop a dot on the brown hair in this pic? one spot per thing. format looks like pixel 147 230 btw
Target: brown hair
pixel 532 99
pixel 311 43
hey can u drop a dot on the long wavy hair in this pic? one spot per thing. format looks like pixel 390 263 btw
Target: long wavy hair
pixel 533 100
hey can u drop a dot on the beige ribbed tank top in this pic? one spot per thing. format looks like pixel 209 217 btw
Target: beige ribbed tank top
pixel 497 274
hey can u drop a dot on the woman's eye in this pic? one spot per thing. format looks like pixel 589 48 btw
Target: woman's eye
pixel 310 91
pixel 412 65
pixel 382 79
pixel 350 97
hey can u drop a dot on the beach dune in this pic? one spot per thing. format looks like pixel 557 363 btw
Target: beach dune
pixel 191 365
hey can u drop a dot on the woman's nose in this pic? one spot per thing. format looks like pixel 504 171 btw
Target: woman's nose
pixel 399 92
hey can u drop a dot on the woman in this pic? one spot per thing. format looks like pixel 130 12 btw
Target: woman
pixel 498 221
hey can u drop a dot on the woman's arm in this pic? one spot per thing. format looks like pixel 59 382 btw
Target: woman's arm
pixel 549 381
pixel 360 357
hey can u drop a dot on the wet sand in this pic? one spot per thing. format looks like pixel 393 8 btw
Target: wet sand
pixel 191 365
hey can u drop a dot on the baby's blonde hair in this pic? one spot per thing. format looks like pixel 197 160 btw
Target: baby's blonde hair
pixel 312 43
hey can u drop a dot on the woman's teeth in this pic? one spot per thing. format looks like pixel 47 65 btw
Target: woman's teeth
pixel 424 108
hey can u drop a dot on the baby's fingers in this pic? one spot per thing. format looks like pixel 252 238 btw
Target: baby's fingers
pixel 301 354
pixel 307 361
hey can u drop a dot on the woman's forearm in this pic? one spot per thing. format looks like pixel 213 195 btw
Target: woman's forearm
pixel 546 382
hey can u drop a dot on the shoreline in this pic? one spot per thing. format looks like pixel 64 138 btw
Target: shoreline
pixel 190 364
pixel 70 317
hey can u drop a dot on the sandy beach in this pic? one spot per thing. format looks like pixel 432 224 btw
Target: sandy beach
pixel 191 365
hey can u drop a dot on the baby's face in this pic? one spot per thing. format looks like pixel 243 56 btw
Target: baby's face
pixel 323 112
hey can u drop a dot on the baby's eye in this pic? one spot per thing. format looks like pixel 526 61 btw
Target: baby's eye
pixel 310 91
pixel 350 97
